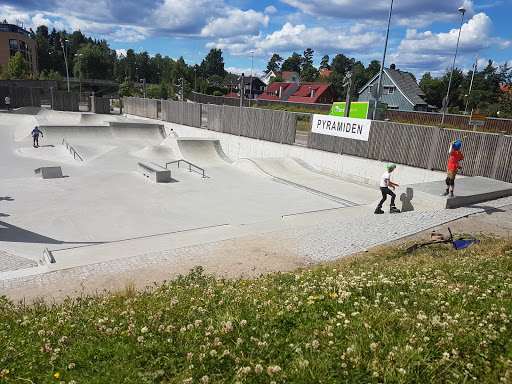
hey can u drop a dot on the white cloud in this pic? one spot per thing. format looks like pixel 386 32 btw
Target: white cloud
pixel 127 35
pixel 236 23
pixel 121 52
pixel 474 36
pixel 270 9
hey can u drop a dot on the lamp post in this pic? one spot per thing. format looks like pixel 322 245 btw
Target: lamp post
pixel 446 99
pixel 471 84
pixel 379 86
pixel 250 86
pixel 79 55
pixel 65 53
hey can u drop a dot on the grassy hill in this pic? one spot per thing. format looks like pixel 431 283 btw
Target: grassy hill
pixel 433 316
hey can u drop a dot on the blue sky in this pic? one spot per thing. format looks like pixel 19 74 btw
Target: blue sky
pixel 423 33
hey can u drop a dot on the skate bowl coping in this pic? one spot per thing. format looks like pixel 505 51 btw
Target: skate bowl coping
pixel 155 172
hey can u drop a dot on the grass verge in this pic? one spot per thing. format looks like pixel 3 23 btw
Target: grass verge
pixel 434 316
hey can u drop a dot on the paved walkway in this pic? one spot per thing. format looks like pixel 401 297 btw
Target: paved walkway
pixel 314 243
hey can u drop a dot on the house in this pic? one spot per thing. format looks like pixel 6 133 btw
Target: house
pixel 253 86
pixel 325 72
pixel 303 93
pixel 279 91
pixel 400 91
pixel 320 93
pixel 288 77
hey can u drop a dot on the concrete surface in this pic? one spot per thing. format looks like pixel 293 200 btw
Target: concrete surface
pixel 103 211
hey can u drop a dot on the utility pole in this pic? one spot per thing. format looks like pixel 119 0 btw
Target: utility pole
pixel 183 89
pixel 65 52
pixel 349 84
pixel 250 92
pixel 242 90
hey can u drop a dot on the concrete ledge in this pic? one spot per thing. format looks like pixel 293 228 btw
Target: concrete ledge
pixel 468 191
pixel 49 172
pixel 155 172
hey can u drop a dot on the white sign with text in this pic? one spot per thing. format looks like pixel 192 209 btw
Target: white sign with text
pixel 347 127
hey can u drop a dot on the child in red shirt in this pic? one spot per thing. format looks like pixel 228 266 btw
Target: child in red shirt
pixel 453 167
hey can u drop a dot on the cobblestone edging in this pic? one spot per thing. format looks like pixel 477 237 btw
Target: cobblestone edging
pixel 10 262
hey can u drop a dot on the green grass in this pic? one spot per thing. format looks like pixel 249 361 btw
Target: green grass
pixel 434 316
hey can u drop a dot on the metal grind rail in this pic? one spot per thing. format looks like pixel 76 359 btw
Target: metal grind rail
pixel 190 165
pixel 71 150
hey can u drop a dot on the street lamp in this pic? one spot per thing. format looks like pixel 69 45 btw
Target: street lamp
pixel 446 100
pixel 379 86
pixel 79 55
pixel 250 87
pixel 65 53
pixel 471 84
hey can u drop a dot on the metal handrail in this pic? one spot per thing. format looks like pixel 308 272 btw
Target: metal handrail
pixel 71 150
pixel 190 165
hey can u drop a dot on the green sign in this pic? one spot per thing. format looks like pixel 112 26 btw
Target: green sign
pixel 358 110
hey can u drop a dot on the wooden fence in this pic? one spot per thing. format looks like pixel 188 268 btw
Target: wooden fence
pixel 100 105
pixel 486 154
pixel 141 107
pixel 64 101
pixel 459 121
pixel 20 96
pixel 182 113
pixel 275 126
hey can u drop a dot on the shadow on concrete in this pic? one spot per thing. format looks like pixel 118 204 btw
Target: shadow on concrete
pixel 487 209
pixel 6 198
pixel 406 199
pixel 12 233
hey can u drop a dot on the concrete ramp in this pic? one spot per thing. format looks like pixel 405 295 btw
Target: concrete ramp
pixel 201 152
pixel 123 131
pixel 61 154
pixel 288 171
pixel 156 152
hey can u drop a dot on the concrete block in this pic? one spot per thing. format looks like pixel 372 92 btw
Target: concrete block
pixel 155 172
pixel 49 172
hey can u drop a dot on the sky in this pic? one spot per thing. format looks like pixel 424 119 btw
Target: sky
pixel 422 34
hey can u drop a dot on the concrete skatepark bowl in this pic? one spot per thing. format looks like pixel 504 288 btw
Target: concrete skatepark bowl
pixel 103 209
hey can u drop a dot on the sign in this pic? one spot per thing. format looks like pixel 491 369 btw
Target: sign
pixel 358 110
pixel 346 127
pixel 478 117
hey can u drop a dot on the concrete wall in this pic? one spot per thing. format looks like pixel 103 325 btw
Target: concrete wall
pixel 351 168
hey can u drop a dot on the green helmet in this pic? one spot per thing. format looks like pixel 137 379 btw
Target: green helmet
pixel 391 166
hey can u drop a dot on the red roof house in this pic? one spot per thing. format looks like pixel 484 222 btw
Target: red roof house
pixel 313 93
pixel 279 91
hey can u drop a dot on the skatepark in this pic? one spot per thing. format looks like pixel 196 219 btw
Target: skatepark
pixel 102 205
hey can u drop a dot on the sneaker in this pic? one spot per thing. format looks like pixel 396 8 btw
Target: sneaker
pixel 394 210
pixel 445 193
pixel 451 194
pixel 378 210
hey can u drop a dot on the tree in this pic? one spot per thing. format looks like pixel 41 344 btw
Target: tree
pixel 433 89
pixel 127 88
pixel 214 63
pixel 307 58
pixel 309 73
pixel 17 66
pixel 293 63
pixel 274 64
pixel 324 64
pixel 342 64
pixel 276 79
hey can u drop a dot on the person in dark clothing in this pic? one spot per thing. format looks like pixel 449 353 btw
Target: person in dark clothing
pixel 35 134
